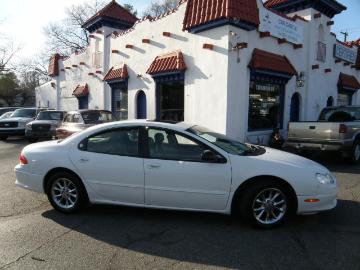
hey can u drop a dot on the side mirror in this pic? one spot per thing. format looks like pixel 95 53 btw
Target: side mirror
pixel 210 156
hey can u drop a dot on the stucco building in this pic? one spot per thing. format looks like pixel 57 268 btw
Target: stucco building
pixel 239 67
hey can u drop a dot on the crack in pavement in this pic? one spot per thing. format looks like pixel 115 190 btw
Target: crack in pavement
pixel 28 212
pixel 41 246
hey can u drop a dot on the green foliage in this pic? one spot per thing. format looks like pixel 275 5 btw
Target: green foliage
pixel 8 85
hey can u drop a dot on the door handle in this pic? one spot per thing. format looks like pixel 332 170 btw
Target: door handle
pixel 154 166
pixel 84 160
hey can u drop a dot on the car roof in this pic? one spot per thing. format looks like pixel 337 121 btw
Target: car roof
pixel 88 110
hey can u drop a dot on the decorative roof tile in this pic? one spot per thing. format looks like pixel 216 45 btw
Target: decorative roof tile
pixel 266 61
pixel 112 11
pixel 81 90
pixel 328 7
pixel 170 62
pixel 53 69
pixel 201 12
pixel 348 81
pixel 117 74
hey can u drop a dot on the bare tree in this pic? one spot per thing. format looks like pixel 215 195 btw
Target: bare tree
pixel 8 49
pixel 159 7
pixel 67 35
pixel 131 9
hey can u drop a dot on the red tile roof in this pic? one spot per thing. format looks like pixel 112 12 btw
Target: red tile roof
pixel 53 69
pixel 348 81
pixel 271 3
pixel 117 74
pixel 262 60
pixel 81 90
pixel 200 12
pixel 170 62
pixel 114 11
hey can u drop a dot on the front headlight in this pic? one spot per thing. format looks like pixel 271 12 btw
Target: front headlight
pixel 325 179
pixel 28 126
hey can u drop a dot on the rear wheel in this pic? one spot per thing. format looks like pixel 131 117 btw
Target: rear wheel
pixel 265 204
pixel 3 138
pixel 66 193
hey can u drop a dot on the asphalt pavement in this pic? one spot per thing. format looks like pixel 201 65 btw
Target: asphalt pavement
pixel 34 236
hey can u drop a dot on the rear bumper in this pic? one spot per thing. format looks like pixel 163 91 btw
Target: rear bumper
pixel 12 132
pixel 28 180
pixel 319 145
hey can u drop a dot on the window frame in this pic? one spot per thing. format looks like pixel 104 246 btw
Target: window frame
pixel 146 151
pixel 139 144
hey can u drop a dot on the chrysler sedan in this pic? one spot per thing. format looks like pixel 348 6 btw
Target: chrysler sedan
pixel 175 166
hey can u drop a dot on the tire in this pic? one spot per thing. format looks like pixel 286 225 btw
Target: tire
pixel 66 193
pixel 3 138
pixel 262 215
pixel 355 152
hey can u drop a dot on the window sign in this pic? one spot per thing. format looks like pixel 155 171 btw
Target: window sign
pixel 345 53
pixel 280 27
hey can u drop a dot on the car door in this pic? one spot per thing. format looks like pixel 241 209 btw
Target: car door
pixel 111 165
pixel 177 177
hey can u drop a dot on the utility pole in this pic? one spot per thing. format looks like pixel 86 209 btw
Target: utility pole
pixel 346 34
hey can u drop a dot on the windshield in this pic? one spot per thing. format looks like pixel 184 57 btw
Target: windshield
pixel 26 113
pixel 220 140
pixel 6 115
pixel 345 114
pixel 47 115
pixel 96 117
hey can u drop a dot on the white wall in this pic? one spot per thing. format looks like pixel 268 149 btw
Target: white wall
pixel 46 96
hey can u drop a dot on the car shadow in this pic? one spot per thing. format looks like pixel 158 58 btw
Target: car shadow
pixel 327 240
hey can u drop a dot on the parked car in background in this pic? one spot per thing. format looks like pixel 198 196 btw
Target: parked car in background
pixel 15 126
pixel 7 109
pixel 175 166
pixel 337 129
pixel 44 126
pixel 76 121
pixel 6 115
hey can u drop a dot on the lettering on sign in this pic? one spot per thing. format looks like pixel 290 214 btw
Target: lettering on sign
pixel 345 53
pixel 280 27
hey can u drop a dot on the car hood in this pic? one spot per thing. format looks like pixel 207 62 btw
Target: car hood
pixel 280 157
pixel 16 119
pixel 50 122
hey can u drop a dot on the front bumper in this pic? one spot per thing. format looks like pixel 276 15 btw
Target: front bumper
pixel 326 202
pixel 40 134
pixel 28 180
pixel 12 132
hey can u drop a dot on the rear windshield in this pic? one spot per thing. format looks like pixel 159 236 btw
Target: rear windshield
pixel 57 116
pixel 27 113
pixel 95 117
pixel 340 114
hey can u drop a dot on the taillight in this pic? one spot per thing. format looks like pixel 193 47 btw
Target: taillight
pixel 22 159
pixel 343 128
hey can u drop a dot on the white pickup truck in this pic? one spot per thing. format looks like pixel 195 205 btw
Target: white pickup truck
pixel 338 129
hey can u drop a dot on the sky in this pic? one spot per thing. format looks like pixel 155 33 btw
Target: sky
pixel 24 20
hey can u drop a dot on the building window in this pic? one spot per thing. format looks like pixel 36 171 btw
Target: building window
pixel 321 52
pixel 83 102
pixel 344 98
pixel 119 102
pixel 171 101
pixel 265 106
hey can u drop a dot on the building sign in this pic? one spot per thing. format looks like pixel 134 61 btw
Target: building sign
pixel 345 53
pixel 280 27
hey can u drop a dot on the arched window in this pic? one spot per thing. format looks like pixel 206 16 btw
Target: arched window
pixel 321 45
pixel 295 108
pixel 330 102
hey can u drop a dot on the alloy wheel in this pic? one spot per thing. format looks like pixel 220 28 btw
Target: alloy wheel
pixel 269 206
pixel 64 193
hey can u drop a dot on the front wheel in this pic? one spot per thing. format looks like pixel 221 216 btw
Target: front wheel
pixel 66 193
pixel 355 152
pixel 265 205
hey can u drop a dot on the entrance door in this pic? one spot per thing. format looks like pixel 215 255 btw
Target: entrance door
pixel 177 177
pixel 83 102
pixel 141 105
pixel 295 108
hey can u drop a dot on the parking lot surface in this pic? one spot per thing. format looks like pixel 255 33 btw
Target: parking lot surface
pixel 34 236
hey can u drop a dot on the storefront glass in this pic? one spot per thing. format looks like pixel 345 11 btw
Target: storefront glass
pixel 265 106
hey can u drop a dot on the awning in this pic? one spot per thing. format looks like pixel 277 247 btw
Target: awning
pixel 117 74
pixel 81 91
pixel 348 82
pixel 167 63
pixel 266 62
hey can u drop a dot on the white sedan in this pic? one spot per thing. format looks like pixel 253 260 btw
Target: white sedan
pixel 175 166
